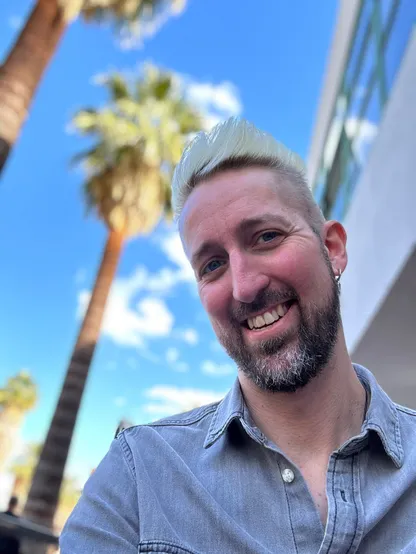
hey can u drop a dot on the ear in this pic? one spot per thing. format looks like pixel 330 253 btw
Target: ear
pixel 335 241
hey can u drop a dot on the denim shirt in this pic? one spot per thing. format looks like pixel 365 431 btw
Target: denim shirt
pixel 209 482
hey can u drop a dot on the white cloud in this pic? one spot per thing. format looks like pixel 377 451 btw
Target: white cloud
pixel 216 101
pixel 128 324
pixel 15 22
pixel 217 370
pixel 172 355
pixel 188 335
pixel 223 97
pixel 171 245
pixel 120 401
pixel 168 400
pixel 149 24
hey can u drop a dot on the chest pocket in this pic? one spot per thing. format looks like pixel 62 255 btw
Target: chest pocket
pixel 162 547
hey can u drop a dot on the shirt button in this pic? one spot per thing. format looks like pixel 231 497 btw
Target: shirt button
pixel 288 476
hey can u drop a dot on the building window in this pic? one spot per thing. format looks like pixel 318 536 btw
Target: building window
pixel 381 34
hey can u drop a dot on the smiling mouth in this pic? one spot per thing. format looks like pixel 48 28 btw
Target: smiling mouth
pixel 268 317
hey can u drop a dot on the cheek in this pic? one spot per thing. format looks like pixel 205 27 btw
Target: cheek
pixel 302 268
pixel 214 298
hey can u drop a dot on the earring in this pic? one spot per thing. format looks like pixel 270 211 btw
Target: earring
pixel 338 278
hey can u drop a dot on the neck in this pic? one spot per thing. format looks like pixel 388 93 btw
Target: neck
pixel 316 419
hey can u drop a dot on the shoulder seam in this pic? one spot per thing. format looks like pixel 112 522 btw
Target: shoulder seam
pixel 405 410
pixel 185 422
pixel 127 453
pixel 128 456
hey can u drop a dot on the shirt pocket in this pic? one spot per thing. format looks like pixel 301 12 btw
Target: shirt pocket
pixel 163 547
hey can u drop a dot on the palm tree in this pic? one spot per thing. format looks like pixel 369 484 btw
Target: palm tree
pixel 139 138
pixel 23 469
pixel 35 46
pixel 16 398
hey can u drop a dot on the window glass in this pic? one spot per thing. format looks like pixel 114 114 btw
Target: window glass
pixel 347 177
pixel 365 127
pixel 386 7
pixel 336 176
pixel 364 80
pixel 359 37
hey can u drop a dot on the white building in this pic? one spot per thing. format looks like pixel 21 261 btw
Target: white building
pixel 362 167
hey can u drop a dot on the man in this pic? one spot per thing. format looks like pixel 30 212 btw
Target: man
pixel 10 544
pixel 11 508
pixel 306 454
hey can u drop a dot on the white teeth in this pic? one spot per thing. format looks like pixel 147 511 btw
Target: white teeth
pixel 260 321
pixel 268 318
pixel 280 310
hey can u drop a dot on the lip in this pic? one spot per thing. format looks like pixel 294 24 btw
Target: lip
pixel 272 330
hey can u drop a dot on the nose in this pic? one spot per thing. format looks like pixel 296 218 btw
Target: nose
pixel 247 278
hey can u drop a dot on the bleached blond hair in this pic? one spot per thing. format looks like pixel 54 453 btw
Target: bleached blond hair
pixel 235 144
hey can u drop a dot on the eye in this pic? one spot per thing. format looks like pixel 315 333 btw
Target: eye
pixel 211 266
pixel 268 236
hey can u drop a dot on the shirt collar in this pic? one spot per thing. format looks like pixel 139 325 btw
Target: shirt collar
pixel 230 408
pixel 381 415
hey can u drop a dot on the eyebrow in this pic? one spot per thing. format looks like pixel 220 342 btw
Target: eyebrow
pixel 250 222
pixel 243 226
pixel 205 248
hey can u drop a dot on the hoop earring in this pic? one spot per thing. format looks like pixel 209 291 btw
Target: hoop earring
pixel 338 279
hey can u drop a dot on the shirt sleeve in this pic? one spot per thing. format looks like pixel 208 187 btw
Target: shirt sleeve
pixel 106 518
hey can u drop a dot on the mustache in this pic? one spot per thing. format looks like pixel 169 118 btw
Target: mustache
pixel 263 300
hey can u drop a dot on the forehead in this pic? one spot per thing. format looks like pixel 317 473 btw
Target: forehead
pixel 218 204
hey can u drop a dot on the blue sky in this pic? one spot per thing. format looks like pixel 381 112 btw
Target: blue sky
pixel 157 352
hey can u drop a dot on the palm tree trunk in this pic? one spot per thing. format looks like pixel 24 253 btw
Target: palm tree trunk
pixel 23 69
pixel 44 492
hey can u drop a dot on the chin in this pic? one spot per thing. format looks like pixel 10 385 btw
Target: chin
pixel 289 370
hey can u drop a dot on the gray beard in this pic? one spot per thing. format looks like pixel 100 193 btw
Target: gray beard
pixel 287 363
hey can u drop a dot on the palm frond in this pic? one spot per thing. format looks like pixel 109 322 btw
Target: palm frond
pixel 138 138
pixel 132 17
pixel 20 392
pixel 92 159
pixel 85 121
pixel 117 86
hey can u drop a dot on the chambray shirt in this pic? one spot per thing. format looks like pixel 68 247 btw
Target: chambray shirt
pixel 209 482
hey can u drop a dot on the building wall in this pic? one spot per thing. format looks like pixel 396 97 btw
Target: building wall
pixel 388 347
pixel 361 167
pixel 381 221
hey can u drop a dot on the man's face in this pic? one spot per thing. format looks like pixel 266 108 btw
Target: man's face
pixel 264 276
